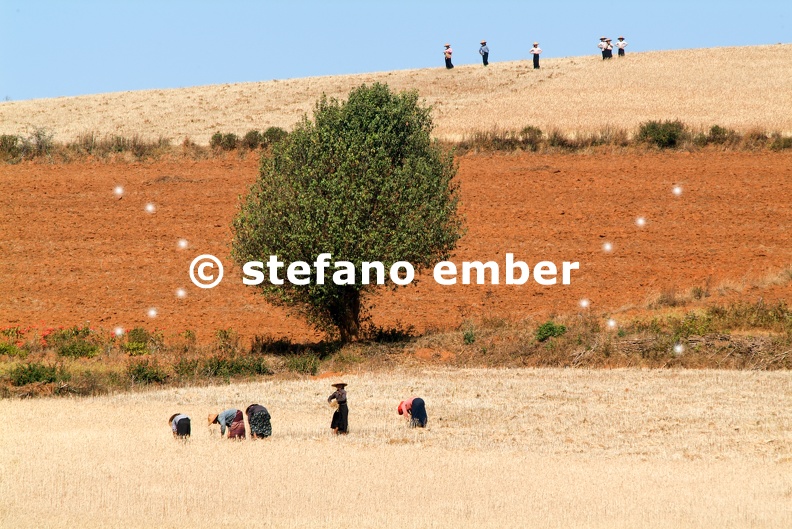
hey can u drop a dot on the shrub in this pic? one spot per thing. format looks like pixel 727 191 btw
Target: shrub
pixel 10 148
pixel 38 143
pixel 469 336
pixel 390 335
pixel 186 368
pixel 225 367
pixel 226 142
pixel 720 135
pixel 227 341
pixel 663 134
pixel 272 345
pixel 549 330
pixel 12 350
pixel 146 372
pixel 307 364
pixel 78 348
pixel 252 140
pixel 35 372
pixel 780 143
pixel 273 135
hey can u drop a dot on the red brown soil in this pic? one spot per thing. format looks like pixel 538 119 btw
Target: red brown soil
pixel 72 252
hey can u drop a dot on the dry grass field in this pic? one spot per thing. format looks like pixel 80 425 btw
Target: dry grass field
pixel 504 448
pixel 740 88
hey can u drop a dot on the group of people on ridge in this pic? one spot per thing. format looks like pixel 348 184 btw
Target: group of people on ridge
pixel 413 409
pixel 605 46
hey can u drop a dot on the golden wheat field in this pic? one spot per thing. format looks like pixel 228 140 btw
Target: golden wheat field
pixel 741 88
pixel 504 448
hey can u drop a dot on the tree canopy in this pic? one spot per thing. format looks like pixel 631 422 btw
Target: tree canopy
pixel 364 181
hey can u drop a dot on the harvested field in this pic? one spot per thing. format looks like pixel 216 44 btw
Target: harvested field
pixel 740 88
pixel 504 448
pixel 73 252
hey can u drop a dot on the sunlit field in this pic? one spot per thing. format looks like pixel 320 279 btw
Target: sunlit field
pixel 739 88
pixel 504 448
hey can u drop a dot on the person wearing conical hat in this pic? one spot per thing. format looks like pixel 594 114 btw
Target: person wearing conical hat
pixel 231 419
pixel 180 425
pixel 340 422
pixel 608 49
pixel 535 51
pixel 602 46
pixel 414 410
pixel 447 54
pixel 484 52
pixel 621 44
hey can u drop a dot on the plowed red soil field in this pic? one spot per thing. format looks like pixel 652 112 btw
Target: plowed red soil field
pixel 72 251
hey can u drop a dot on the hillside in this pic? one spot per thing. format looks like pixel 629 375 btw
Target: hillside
pixel 741 88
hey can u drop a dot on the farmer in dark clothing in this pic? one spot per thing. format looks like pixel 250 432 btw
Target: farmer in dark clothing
pixel 259 420
pixel 339 424
pixel 180 425
pixel 447 54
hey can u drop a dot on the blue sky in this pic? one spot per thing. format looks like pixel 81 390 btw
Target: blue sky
pixel 52 48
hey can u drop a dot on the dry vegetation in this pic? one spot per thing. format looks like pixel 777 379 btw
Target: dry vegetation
pixel 740 88
pixel 504 448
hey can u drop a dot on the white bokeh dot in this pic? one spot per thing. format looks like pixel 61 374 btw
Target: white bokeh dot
pixel 181 293
pixel 585 303
pixel 611 323
pixel 607 247
pixel 150 208
pixel 118 190
pixel 640 222
pixel 183 243
pixel 677 190
pixel 152 312
pixel 119 331
pixel 679 348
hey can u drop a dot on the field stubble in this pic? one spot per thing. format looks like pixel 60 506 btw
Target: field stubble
pixel 504 448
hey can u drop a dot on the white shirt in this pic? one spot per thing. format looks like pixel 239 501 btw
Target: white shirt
pixel 601 45
pixel 536 50
pixel 621 44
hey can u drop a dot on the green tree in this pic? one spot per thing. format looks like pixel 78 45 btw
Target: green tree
pixel 362 181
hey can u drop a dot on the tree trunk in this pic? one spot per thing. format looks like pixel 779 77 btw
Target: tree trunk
pixel 349 317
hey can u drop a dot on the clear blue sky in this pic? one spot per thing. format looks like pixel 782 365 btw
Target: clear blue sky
pixel 58 48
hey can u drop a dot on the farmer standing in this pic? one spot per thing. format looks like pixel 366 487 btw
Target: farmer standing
pixel 414 409
pixel 608 49
pixel 621 45
pixel 231 419
pixel 339 424
pixel 447 54
pixel 484 52
pixel 535 51
pixel 602 46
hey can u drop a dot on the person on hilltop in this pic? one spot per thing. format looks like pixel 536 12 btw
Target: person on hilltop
pixel 621 44
pixel 339 424
pixel 608 49
pixel 231 419
pixel 484 52
pixel 259 421
pixel 414 410
pixel 180 425
pixel 602 46
pixel 535 51
pixel 447 54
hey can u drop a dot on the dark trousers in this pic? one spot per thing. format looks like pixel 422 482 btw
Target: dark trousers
pixel 448 63
pixel 183 428
pixel 485 58
pixel 621 52
pixel 609 54
pixel 536 61
pixel 604 55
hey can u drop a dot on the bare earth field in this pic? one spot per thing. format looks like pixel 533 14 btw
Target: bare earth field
pixel 72 252
pixel 740 88
pixel 504 448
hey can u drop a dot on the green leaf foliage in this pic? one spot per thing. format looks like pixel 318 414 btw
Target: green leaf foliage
pixel 363 181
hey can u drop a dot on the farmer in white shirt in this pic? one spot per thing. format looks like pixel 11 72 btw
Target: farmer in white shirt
pixel 621 44
pixel 535 51
pixel 603 47
pixel 484 52
pixel 608 49
pixel 447 54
